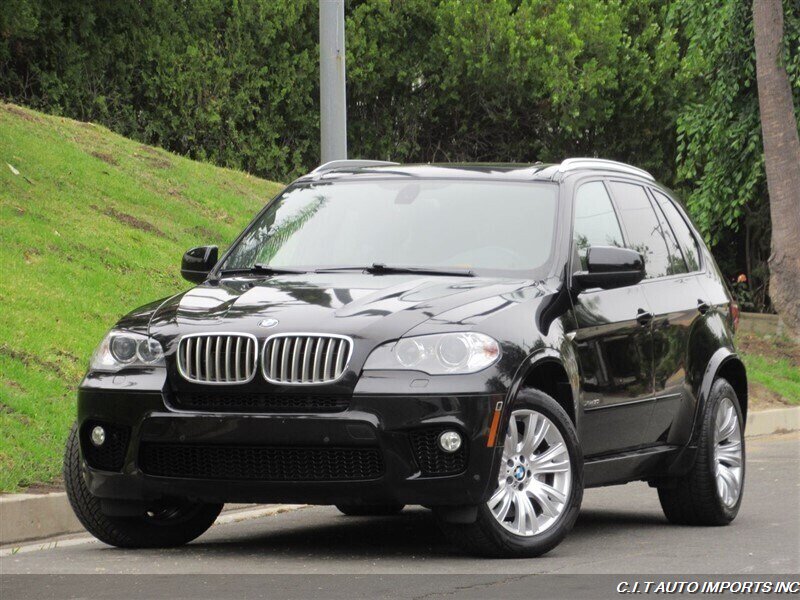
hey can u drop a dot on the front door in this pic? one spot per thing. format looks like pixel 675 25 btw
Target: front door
pixel 613 341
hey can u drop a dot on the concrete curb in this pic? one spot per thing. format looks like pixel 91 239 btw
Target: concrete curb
pixel 776 420
pixel 31 517
pixel 28 517
pixel 34 516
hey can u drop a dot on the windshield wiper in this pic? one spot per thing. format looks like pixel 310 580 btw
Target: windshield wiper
pixel 382 269
pixel 259 269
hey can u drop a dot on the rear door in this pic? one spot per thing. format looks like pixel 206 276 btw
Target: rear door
pixel 612 342
pixel 671 421
pixel 670 293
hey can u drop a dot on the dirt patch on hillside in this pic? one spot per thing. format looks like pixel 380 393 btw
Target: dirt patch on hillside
pixel 204 233
pixel 130 220
pixel 106 158
pixel 7 410
pixel 154 158
pixel 772 347
pixel 763 398
pixel 31 255
pixel 29 359
pixel 18 112
pixel 57 485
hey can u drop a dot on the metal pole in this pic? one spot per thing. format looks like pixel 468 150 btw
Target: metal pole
pixel 332 99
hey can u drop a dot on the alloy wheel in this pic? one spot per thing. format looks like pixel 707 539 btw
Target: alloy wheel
pixel 728 460
pixel 535 475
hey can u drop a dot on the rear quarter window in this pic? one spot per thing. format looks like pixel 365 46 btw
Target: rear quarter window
pixel 686 240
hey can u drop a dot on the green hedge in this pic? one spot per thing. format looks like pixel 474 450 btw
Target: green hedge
pixel 236 82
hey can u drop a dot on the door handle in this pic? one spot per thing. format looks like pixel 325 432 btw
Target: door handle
pixel 643 317
pixel 702 306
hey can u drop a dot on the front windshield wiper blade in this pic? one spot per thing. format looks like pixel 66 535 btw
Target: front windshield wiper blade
pixel 382 269
pixel 259 269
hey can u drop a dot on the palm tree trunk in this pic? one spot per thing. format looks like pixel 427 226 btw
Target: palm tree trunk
pixel 782 158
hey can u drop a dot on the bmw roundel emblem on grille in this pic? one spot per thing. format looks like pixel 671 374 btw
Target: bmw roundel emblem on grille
pixel 268 323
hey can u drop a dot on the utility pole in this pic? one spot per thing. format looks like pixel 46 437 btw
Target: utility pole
pixel 332 98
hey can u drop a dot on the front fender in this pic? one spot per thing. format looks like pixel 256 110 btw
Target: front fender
pixel 565 358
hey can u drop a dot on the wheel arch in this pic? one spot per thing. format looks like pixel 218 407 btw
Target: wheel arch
pixel 725 364
pixel 555 375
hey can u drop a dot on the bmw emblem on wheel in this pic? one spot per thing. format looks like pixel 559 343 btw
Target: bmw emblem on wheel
pixel 268 323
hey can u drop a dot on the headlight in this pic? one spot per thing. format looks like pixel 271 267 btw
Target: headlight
pixel 120 349
pixel 444 354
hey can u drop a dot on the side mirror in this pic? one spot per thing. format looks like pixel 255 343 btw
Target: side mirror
pixel 609 267
pixel 198 262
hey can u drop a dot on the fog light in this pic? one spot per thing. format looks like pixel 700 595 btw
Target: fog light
pixel 450 441
pixel 98 436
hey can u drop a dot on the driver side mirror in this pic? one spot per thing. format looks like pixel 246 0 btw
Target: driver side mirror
pixel 609 267
pixel 198 262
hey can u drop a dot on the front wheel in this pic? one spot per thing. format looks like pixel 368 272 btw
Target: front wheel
pixel 539 485
pixel 711 492
pixel 161 525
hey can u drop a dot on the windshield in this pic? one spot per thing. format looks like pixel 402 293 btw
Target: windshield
pixel 502 227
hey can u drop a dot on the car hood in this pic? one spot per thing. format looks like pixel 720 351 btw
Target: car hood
pixel 377 307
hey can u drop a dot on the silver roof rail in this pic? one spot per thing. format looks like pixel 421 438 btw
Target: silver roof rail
pixel 350 164
pixel 573 164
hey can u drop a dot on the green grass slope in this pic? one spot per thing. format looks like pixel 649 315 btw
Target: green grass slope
pixel 92 225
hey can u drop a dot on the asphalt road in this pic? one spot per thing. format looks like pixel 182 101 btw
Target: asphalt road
pixel 317 551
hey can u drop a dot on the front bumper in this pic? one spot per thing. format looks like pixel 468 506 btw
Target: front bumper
pixel 385 422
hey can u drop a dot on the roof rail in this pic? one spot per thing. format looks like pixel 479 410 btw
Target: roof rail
pixel 573 164
pixel 350 164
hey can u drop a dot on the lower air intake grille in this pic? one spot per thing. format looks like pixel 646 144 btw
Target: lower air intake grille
pixel 111 455
pixel 262 463
pixel 431 459
pixel 255 402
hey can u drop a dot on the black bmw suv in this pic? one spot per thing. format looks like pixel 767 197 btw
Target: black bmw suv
pixel 483 340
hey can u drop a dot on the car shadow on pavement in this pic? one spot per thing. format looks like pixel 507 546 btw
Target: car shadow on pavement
pixel 412 533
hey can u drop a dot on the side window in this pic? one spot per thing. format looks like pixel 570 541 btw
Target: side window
pixel 595 221
pixel 687 241
pixel 677 264
pixel 645 234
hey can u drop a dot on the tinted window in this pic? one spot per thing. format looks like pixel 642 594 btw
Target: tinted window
pixel 595 221
pixel 687 241
pixel 677 264
pixel 645 233
pixel 503 227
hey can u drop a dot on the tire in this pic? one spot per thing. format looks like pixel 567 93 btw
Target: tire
pixel 373 510
pixel 487 536
pixel 165 525
pixel 699 498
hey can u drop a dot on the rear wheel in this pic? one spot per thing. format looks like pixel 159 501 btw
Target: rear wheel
pixel 711 492
pixel 373 510
pixel 539 486
pixel 161 525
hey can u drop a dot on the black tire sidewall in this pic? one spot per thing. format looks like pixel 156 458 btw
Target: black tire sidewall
pixel 128 532
pixel 539 544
